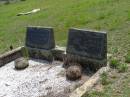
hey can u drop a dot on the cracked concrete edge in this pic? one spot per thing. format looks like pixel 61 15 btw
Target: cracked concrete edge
pixel 10 55
pixel 11 52
pixel 88 85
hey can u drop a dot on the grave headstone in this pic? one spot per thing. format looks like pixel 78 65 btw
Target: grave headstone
pixel 40 41
pixel 91 45
pixel 41 38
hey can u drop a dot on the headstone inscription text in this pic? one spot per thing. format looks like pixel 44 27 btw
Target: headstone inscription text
pixel 41 38
pixel 86 43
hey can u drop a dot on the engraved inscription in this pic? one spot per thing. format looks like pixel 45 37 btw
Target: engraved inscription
pixel 87 44
pixel 42 38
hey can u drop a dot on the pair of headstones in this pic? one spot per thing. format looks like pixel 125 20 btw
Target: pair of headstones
pixel 89 45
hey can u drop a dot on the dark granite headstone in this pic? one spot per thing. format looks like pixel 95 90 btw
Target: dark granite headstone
pixel 88 44
pixel 41 38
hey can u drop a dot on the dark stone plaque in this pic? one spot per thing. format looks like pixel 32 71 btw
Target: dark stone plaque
pixel 41 38
pixel 90 44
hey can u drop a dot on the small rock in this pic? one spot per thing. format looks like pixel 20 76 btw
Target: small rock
pixel 7 85
pixel 21 63
pixel 74 72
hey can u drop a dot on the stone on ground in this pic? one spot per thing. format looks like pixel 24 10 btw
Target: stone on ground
pixel 74 72
pixel 21 63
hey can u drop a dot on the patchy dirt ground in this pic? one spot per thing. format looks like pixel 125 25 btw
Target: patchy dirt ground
pixel 118 85
pixel 40 79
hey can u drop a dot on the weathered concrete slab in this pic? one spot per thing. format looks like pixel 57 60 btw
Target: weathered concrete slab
pixel 39 37
pixel 40 79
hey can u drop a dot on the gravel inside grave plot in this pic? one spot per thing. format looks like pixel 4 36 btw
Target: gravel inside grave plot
pixel 40 79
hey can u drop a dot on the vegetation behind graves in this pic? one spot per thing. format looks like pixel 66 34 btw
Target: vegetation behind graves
pixel 112 16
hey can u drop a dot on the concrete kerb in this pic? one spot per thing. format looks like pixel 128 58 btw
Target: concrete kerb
pixel 88 85
pixel 10 56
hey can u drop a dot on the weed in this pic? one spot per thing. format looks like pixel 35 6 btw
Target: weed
pixel 127 58
pixel 114 63
pixel 104 78
pixel 122 67
pixel 93 94
pixel 115 50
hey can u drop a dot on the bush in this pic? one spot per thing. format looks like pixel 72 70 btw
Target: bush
pixel 114 63
pixel 122 67
pixel 104 78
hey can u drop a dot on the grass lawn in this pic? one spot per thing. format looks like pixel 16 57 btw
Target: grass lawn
pixel 112 16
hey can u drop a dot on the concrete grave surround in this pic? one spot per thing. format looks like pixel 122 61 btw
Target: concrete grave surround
pixel 86 44
pixel 91 45
pixel 10 56
pixel 21 84
pixel 39 37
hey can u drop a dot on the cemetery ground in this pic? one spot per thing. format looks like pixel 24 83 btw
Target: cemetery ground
pixel 112 16
pixel 117 85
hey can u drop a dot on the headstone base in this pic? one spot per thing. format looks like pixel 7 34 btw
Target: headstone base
pixel 40 54
pixel 59 53
pixel 92 64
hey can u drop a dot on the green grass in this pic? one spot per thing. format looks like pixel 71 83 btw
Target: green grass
pixel 104 78
pixel 119 86
pixel 127 57
pixel 112 16
pixel 123 67
pixel 114 63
